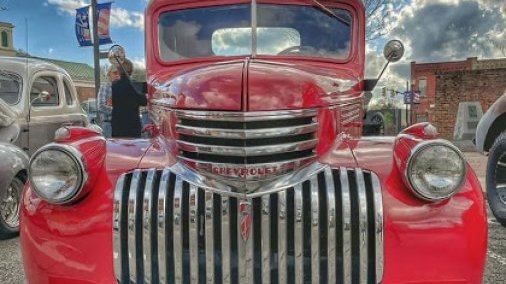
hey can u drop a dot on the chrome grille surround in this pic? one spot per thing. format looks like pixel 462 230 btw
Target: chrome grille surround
pixel 176 226
pixel 247 147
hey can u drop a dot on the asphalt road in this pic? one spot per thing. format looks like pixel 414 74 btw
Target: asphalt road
pixel 11 269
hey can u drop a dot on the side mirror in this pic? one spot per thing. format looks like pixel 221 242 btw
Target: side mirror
pixel 43 96
pixel 117 54
pixel 393 52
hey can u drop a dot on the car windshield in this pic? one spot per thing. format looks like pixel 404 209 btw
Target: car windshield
pixel 293 30
pixel 10 87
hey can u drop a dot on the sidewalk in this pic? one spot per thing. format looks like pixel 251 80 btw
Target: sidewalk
pixel 479 164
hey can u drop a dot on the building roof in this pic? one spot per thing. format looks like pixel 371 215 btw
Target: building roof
pixel 6 25
pixel 77 71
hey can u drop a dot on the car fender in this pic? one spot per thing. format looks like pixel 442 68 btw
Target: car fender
pixel 491 125
pixel 12 161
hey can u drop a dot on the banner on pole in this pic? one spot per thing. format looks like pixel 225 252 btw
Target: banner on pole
pixel 412 97
pixel 83 32
pixel 104 15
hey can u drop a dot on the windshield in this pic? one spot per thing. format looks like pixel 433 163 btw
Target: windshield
pixel 293 30
pixel 10 87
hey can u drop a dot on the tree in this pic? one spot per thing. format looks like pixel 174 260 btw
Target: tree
pixel 377 13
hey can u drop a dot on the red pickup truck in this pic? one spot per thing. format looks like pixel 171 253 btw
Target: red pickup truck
pixel 256 171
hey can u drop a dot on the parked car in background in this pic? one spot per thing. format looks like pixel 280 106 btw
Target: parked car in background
pixel 39 118
pixel 37 98
pixel 491 139
pixel 89 106
pixel 13 166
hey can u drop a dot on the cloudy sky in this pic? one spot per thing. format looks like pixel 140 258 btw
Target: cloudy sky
pixel 432 30
pixel 441 30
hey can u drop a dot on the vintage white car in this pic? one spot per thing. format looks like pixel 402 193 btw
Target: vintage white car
pixel 37 99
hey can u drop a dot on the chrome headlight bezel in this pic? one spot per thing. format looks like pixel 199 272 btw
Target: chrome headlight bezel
pixel 76 157
pixel 416 151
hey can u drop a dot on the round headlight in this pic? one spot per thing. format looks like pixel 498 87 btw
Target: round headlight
pixel 436 170
pixel 57 173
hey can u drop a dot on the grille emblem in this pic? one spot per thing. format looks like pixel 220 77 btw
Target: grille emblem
pixel 245 219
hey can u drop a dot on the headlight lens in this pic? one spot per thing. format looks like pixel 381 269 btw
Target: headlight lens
pixel 57 173
pixel 436 170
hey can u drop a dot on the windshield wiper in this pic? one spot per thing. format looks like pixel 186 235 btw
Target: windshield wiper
pixel 329 12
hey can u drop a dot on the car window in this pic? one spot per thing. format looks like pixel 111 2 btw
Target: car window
pixel 10 87
pixel 68 94
pixel 45 84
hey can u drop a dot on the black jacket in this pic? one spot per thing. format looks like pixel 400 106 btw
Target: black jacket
pixel 126 101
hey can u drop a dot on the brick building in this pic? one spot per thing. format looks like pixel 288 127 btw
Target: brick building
pixel 444 85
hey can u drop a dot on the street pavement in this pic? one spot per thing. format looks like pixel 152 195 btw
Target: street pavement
pixel 11 270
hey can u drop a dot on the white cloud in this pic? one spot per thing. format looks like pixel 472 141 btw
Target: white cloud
pixel 50 50
pixel 120 17
pixel 139 62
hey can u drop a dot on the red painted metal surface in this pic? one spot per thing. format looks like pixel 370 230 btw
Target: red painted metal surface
pixel 424 242
pixel 432 243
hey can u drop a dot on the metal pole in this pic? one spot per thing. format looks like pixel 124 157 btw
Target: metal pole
pixel 96 51
pixel 412 102
pixel 407 90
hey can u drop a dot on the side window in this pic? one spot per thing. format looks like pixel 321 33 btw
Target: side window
pixel 5 39
pixel 45 84
pixel 422 86
pixel 68 93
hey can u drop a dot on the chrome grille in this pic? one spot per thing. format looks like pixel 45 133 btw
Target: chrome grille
pixel 254 138
pixel 170 228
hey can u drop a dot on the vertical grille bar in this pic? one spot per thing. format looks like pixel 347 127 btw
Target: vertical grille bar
pixel 178 229
pixel 134 218
pixel 331 225
pixel 149 243
pixel 209 229
pixel 378 225
pixel 225 241
pixel 266 240
pixel 315 232
pixel 119 229
pixel 346 220
pixel 282 240
pixel 163 203
pixel 299 233
pixel 362 204
pixel 245 241
pixel 194 234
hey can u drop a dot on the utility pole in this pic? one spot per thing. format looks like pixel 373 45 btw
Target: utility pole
pixel 96 48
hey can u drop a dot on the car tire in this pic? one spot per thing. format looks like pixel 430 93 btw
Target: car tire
pixel 496 179
pixel 10 201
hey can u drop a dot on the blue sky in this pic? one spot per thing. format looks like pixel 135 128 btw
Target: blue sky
pixel 51 27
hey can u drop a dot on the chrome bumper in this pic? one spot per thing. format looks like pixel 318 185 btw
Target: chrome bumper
pixel 172 226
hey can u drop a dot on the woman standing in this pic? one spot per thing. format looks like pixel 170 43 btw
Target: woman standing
pixel 126 101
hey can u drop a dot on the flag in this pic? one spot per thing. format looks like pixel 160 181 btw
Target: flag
pixel 83 32
pixel 104 15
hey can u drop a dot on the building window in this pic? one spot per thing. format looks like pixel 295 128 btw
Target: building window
pixel 5 40
pixel 421 118
pixel 422 87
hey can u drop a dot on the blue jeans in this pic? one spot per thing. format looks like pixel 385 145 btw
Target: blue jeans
pixel 107 129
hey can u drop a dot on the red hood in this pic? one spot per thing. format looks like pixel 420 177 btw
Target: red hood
pixel 255 85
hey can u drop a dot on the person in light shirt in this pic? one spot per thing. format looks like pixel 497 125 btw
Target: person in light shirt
pixel 105 101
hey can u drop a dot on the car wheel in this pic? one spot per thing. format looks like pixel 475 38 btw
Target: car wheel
pixel 10 201
pixel 496 179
